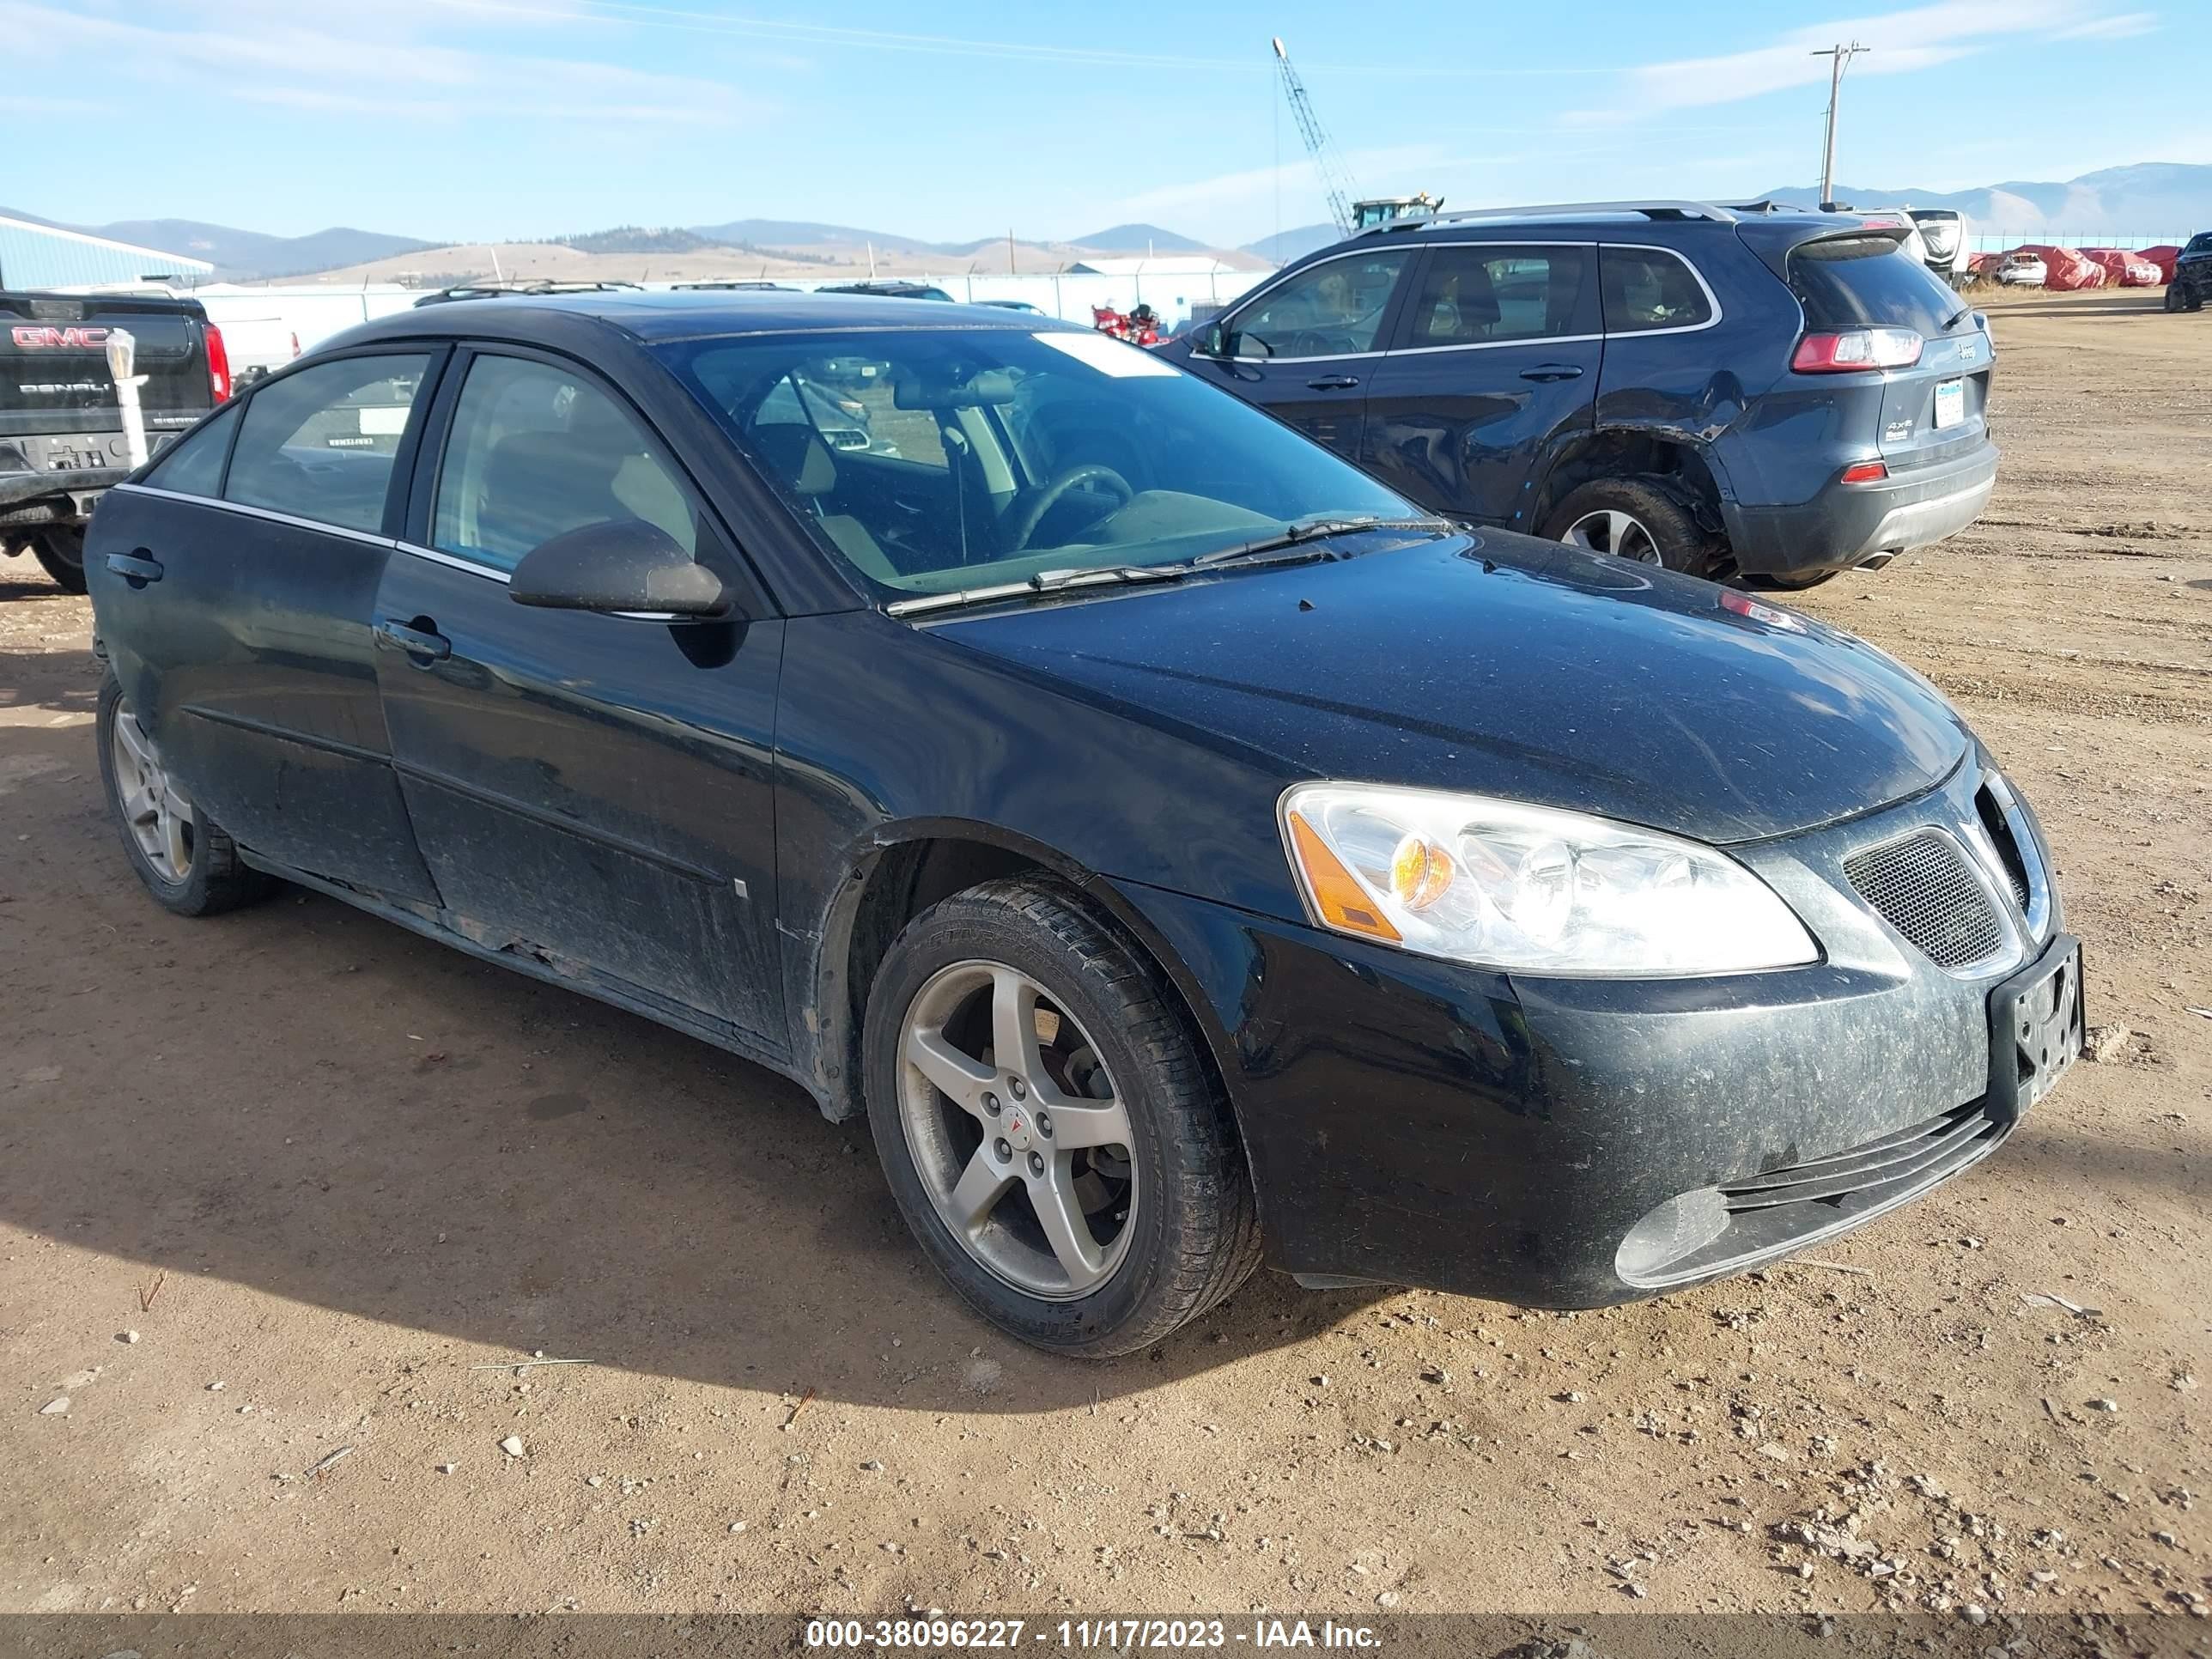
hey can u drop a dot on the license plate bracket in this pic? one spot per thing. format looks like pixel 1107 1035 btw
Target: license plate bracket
pixel 2036 1023
pixel 1950 403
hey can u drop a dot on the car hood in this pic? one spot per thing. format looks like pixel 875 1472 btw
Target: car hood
pixel 1511 668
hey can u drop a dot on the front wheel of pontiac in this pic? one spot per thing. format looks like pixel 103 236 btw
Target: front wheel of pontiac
pixel 1048 1127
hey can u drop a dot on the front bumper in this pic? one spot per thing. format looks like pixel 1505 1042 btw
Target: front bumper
pixel 1410 1121
pixel 1846 525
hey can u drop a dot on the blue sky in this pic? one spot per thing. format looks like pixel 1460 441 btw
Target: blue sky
pixel 506 118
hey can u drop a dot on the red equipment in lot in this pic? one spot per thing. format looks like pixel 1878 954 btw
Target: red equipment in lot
pixel 2065 268
pixel 1140 324
pixel 2125 267
pixel 2163 257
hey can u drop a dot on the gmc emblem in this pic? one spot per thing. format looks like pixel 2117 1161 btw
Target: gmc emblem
pixel 32 337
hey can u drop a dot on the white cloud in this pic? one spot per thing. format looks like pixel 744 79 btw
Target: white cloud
pixel 396 59
pixel 2124 25
pixel 1902 41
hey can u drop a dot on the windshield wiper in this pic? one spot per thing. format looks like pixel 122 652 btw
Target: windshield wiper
pixel 1314 530
pixel 1098 576
pixel 1044 581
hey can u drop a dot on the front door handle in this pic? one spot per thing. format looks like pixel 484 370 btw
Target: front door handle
pixel 419 638
pixel 138 566
pixel 1553 372
pixel 1334 382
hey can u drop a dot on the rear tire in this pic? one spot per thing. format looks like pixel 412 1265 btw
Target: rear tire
pixel 1634 519
pixel 1794 583
pixel 1166 1219
pixel 60 548
pixel 183 858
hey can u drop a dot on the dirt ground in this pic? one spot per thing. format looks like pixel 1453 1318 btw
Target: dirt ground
pixel 294 1186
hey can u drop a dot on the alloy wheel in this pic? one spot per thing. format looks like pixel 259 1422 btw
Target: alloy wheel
pixel 1610 530
pixel 1017 1131
pixel 155 810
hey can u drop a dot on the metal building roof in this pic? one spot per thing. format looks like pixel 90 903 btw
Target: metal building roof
pixel 34 255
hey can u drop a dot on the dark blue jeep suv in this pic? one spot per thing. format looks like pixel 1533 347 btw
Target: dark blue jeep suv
pixel 1774 394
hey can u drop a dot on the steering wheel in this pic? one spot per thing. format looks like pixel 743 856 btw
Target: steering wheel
pixel 1318 343
pixel 1048 497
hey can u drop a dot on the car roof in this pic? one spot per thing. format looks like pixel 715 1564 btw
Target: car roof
pixel 651 317
pixel 1668 223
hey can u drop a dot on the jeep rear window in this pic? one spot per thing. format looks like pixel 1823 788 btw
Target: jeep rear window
pixel 1869 281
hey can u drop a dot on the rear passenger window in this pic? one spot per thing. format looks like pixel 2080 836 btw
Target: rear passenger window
pixel 536 451
pixel 1648 288
pixel 194 465
pixel 1482 295
pixel 319 444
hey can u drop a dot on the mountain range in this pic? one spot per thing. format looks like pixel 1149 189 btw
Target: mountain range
pixel 2152 199
pixel 2149 198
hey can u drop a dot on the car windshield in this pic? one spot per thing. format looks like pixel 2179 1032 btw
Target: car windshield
pixel 933 461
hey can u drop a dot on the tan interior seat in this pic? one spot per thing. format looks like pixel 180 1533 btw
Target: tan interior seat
pixel 797 460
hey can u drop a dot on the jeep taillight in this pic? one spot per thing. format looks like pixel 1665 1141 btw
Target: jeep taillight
pixel 218 364
pixel 1856 349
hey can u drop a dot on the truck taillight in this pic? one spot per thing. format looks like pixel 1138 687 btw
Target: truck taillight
pixel 218 364
pixel 1856 349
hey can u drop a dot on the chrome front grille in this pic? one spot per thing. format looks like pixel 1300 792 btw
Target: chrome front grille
pixel 1921 885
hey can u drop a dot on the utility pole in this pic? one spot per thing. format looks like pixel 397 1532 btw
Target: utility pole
pixel 1010 250
pixel 1839 57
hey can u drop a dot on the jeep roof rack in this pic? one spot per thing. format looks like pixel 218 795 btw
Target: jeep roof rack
pixel 1649 209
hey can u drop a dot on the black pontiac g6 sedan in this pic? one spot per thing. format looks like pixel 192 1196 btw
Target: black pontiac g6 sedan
pixel 1179 846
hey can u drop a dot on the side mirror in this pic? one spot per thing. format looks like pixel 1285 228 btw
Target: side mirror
pixel 1212 340
pixel 624 567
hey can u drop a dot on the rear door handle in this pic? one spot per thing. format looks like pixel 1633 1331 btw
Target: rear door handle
pixel 1334 382
pixel 137 567
pixel 424 642
pixel 1553 372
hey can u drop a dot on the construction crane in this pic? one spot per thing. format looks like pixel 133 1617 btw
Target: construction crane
pixel 1335 181
pixel 1335 177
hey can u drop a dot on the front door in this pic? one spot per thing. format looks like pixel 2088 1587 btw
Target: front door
pixel 236 590
pixel 1305 349
pixel 593 791
pixel 1495 362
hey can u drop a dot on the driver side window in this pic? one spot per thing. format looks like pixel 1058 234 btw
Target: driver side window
pixel 1327 310
pixel 538 451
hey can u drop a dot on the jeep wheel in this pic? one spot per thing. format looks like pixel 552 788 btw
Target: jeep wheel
pixel 1632 519
pixel 1048 1129
pixel 60 548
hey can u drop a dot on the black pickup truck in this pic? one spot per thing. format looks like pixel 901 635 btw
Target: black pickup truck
pixel 61 429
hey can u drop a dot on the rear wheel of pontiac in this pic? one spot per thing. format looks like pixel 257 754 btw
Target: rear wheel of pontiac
pixel 183 859
pixel 1048 1127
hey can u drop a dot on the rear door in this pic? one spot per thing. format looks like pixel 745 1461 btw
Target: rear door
pixel 1937 408
pixel 593 791
pixel 1494 364
pixel 1305 349
pixel 235 589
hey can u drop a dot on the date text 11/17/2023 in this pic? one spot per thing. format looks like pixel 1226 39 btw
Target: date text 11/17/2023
pixel 1118 1635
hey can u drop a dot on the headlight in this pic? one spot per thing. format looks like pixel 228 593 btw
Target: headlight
pixel 1527 888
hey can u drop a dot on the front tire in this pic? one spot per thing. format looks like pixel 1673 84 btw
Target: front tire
pixel 1048 1127
pixel 60 549
pixel 182 857
pixel 1634 519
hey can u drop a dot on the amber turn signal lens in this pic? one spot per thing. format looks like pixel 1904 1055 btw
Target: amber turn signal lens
pixel 1421 872
pixel 1337 894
